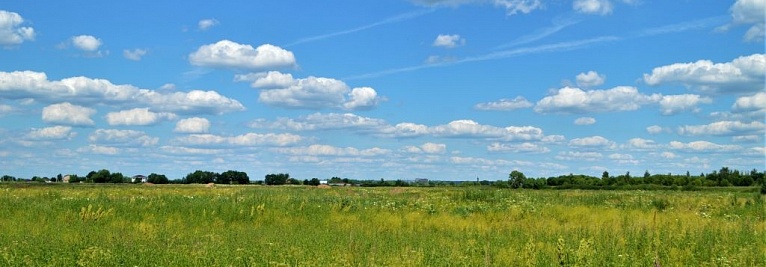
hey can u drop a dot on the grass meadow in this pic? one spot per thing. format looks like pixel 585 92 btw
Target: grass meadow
pixel 194 225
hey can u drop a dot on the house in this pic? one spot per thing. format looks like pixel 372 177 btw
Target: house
pixel 66 178
pixel 139 179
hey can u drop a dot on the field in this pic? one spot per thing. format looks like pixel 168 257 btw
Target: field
pixel 195 225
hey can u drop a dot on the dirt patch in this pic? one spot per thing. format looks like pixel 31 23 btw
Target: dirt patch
pixel 324 186
pixel 210 185
pixel 397 190
pixel 148 184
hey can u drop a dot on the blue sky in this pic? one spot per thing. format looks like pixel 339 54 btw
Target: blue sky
pixel 449 90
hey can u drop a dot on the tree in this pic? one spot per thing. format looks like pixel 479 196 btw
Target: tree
pixel 277 179
pixel 157 178
pixel 116 178
pixel 605 175
pixel 7 178
pixel 200 177
pixel 233 177
pixel 517 179
pixel 101 176
pixel 314 181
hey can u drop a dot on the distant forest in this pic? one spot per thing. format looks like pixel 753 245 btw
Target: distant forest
pixel 723 177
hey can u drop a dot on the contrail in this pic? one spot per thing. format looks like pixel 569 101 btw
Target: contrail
pixel 394 19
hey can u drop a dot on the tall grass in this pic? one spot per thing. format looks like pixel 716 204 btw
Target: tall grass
pixel 129 225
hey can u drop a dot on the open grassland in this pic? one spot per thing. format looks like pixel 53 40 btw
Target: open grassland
pixel 133 225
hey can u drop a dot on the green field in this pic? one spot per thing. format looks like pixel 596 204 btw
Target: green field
pixel 195 225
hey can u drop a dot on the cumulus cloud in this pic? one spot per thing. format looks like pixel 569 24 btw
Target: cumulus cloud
pixel 727 128
pixel 87 91
pixel 525 147
pixel 623 158
pixel 192 125
pixel 754 102
pixel 743 74
pixel 674 104
pixel 469 128
pixel 138 116
pixel 448 41
pixel 655 129
pixel 703 146
pixel 206 24
pixel 585 121
pixel 228 54
pixel 11 31
pixel 746 138
pixel 596 7
pixel 51 133
pixel 134 54
pixel 115 137
pixel 321 121
pixel 590 79
pixel 311 92
pixel 591 142
pixel 749 12
pixel 99 149
pixel 641 144
pixel 505 104
pixel 87 43
pixel 326 150
pixel 579 156
pixel 68 114
pixel 427 148
pixel 244 140
pixel 570 100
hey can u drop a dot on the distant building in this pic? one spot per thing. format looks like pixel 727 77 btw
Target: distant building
pixel 323 182
pixel 66 178
pixel 140 179
pixel 421 180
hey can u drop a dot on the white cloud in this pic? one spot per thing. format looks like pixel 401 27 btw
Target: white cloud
pixel 592 141
pixel 674 104
pixel 134 54
pixel 724 128
pixel 206 24
pixel 11 33
pixel 86 43
pixel 585 121
pixel 320 121
pixel 743 74
pixel 750 103
pixel 505 104
pixel 326 150
pixel 655 129
pixel 228 54
pixel 578 156
pixel 597 7
pixel 623 158
pixel 244 140
pixel 590 79
pixel 51 133
pixel 428 148
pixel 5 109
pixel 641 144
pixel 668 155
pixel 266 80
pixel 122 137
pixel 448 41
pixel 574 100
pixel 97 149
pixel 138 116
pixel 749 12
pixel 525 147
pixel 87 91
pixel 192 125
pixel 469 128
pixel 68 114
pixel 514 7
pixel 746 138
pixel 404 129
pixel 311 93
pixel 703 146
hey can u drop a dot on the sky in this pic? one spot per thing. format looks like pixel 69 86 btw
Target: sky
pixel 393 89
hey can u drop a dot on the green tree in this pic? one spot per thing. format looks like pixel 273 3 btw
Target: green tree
pixel 605 175
pixel 157 178
pixel 101 176
pixel 200 177
pixel 517 179
pixel 233 177
pixel 277 179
